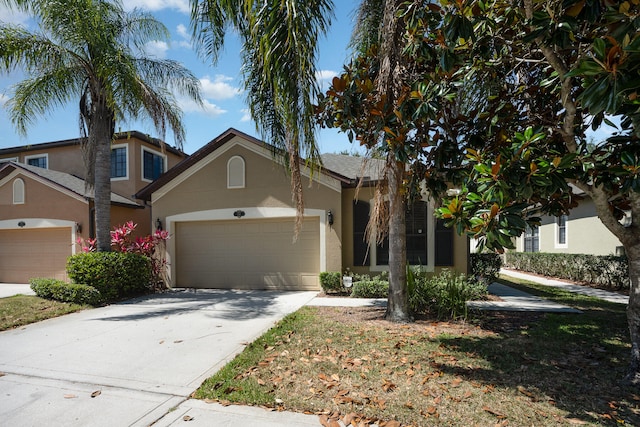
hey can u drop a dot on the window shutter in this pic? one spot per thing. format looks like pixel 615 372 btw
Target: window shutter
pixel 444 244
pixel 360 220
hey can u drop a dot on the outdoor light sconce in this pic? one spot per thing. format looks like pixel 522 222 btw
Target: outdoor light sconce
pixel 330 217
pixel 239 213
pixel 21 224
pixel 78 227
pixel 158 224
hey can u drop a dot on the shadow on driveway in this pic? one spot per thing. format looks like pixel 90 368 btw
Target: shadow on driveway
pixel 230 304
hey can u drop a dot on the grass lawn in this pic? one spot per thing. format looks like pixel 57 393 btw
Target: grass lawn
pixel 21 310
pixel 495 369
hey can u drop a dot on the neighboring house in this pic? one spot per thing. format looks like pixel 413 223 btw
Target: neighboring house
pixel 228 208
pixel 580 232
pixel 45 206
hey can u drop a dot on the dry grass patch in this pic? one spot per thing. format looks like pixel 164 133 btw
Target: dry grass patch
pixel 497 369
pixel 20 310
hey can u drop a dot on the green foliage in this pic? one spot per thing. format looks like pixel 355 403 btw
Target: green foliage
pixel 372 288
pixel 114 274
pixel 331 282
pixel 603 271
pixel 485 267
pixel 65 292
pixel 445 295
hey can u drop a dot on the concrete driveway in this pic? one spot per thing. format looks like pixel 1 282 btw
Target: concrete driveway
pixel 138 359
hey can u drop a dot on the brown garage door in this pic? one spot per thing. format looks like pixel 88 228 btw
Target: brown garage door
pixel 41 252
pixel 247 254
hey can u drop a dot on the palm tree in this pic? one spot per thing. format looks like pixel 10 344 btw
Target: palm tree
pixel 279 54
pixel 92 51
pixel 279 50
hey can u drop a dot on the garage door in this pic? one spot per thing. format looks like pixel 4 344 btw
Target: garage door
pixel 41 252
pixel 247 254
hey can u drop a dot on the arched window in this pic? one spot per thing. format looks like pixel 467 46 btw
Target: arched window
pixel 235 172
pixel 18 192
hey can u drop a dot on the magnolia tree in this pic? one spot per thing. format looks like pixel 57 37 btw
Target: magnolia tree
pixel 494 99
pixel 152 246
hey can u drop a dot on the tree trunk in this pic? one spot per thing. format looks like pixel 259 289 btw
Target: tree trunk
pixel 398 301
pixel 633 314
pixel 101 135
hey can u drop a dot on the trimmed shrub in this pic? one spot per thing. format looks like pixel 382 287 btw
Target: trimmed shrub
pixel 66 292
pixel 373 288
pixel 603 271
pixel 445 295
pixel 485 267
pixel 114 274
pixel 331 282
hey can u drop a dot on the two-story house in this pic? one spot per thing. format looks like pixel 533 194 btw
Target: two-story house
pixel 45 206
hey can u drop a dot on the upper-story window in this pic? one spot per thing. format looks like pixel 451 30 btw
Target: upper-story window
pixel 235 172
pixel 119 162
pixel 153 165
pixel 39 160
pixel 18 191
pixel 8 159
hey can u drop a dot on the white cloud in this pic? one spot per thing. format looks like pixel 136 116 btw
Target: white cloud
pixel 325 75
pixel 218 88
pixel 324 78
pixel 246 116
pixel 155 5
pixel 182 31
pixel 207 108
pixel 156 48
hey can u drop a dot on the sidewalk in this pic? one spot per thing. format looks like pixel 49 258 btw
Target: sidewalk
pixel 568 286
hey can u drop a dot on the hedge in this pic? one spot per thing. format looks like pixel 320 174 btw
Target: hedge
pixel 605 271
pixel 66 292
pixel 485 267
pixel 115 275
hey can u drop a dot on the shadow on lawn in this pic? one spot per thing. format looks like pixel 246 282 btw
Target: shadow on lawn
pixel 575 361
pixel 217 303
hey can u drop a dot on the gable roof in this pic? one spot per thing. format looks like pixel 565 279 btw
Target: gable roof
pixel 346 169
pixel 119 136
pixel 62 180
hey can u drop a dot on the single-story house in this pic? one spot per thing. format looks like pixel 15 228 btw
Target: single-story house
pixel 228 208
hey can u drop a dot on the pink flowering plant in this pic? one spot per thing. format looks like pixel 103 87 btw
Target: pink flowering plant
pixel 152 246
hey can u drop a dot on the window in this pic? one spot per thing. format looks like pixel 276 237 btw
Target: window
pixel 119 162
pixel 416 223
pixel 18 192
pixel 40 160
pixel 532 239
pixel 561 223
pixel 8 159
pixel 152 165
pixel 235 172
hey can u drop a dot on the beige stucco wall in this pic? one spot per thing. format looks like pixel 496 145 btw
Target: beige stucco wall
pixel 585 233
pixel 41 201
pixel 267 185
pixel 460 243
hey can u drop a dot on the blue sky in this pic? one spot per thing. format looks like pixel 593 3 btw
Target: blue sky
pixel 225 105
pixel 224 100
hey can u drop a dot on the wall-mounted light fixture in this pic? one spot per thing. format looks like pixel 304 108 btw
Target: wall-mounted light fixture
pixel 78 227
pixel 239 213
pixel 330 217
pixel 158 224
pixel 21 224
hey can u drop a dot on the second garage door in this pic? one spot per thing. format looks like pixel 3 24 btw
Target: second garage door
pixel 29 253
pixel 247 254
